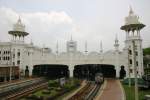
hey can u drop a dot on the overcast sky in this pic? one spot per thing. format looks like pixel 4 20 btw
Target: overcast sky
pixel 49 21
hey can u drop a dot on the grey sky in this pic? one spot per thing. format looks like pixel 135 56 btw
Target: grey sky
pixel 49 21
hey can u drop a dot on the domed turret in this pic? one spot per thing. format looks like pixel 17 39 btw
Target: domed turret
pixel 18 33
pixel 131 18
pixel 132 22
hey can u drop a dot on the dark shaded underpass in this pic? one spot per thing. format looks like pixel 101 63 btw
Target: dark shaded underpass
pixel 51 71
pixel 85 71
pixel 88 71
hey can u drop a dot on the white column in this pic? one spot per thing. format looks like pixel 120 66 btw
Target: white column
pixel 30 67
pixel 117 67
pixel 71 66
pixel 127 67
pixel 127 35
pixel 23 39
pixel 132 66
pixel 13 38
pixel 140 58
pixel 71 69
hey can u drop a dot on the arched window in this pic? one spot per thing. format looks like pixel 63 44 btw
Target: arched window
pixel 122 72
pixel 8 58
pixel 18 62
pixel 130 61
pixel 130 52
pixel 136 63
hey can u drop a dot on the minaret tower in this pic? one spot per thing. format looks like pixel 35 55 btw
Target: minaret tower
pixel 18 33
pixel 133 43
pixel 116 45
pixel 71 46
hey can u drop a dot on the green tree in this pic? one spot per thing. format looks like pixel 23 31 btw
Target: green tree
pixel 146 51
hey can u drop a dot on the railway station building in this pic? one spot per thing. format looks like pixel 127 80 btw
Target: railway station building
pixel 73 63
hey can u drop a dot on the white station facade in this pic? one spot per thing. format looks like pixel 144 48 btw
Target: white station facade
pixel 18 53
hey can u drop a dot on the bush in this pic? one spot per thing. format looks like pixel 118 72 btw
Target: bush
pixel 34 97
pixel 53 83
pixel 51 88
pixel 68 86
pixel 146 51
pixel 46 92
pixel 58 89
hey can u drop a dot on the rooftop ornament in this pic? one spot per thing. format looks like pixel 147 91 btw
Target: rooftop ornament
pixel 18 29
pixel 132 22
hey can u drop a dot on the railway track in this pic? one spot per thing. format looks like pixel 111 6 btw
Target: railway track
pixel 15 91
pixel 26 91
pixel 93 92
pixel 17 82
pixel 88 92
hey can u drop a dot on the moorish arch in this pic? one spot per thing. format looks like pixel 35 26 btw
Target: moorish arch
pixel 122 72
pixel 51 71
pixel 88 71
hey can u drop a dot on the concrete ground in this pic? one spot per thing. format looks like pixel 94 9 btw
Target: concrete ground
pixel 111 90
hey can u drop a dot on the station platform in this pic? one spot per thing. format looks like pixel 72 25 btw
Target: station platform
pixel 111 90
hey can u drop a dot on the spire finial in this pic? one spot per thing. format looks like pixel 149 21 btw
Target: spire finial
pixel 116 39
pixel 131 11
pixel 19 20
pixel 86 46
pixel 101 47
pixel 57 47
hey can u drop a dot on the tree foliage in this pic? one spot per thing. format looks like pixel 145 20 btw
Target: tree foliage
pixel 146 51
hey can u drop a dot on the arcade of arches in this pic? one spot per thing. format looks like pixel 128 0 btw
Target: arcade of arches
pixel 85 71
